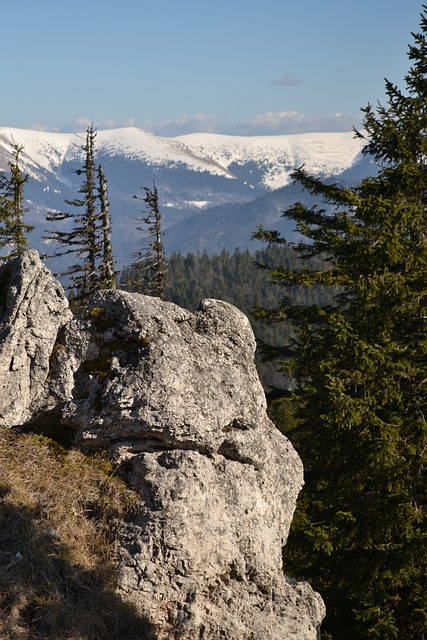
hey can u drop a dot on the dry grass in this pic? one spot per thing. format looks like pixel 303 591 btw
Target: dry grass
pixel 58 511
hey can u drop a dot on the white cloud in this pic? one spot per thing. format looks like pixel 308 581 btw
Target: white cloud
pixel 41 127
pixel 288 80
pixel 270 123
pixel 286 122
pixel 114 124
pixel 81 124
pixel 76 126
pixel 199 122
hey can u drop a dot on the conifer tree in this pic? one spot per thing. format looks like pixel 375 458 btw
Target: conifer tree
pixel 13 229
pixel 107 278
pixel 151 263
pixel 360 369
pixel 86 232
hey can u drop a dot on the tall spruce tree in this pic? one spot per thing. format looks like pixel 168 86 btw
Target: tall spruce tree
pixel 13 229
pixel 86 232
pixel 150 264
pixel 360 368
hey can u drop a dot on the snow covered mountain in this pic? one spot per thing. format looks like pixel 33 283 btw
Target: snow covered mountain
pixel 275 157
pixel 46 153
pixel 195 173
pixel 219 155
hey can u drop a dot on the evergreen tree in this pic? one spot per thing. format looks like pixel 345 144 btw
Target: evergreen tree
pixel 151 263
pixel 359 534
pixel 107 278
pixel 86 232
pixel 13 229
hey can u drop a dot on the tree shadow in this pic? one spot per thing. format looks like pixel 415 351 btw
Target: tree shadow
pixel 44 593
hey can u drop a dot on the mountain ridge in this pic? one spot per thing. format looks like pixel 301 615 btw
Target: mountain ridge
pixel 324 153
pixel 202 178
pixel 328 153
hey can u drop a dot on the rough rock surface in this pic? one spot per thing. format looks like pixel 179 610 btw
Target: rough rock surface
pixel 175 400
pixel 32 309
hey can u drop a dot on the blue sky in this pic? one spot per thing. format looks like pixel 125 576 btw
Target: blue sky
pixel 178 66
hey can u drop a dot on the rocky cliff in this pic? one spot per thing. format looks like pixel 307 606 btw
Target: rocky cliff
pixel 175 400
pixel 32 309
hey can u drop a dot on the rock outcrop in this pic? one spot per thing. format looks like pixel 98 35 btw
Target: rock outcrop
pixel 33 307
pixel 175 400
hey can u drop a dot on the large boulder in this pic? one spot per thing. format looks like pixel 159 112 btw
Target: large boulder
pixel 33 307
pixel 175 399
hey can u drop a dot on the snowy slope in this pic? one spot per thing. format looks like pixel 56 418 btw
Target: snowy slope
pixel 42 151
pixel 46 151
pixel 137 144
pixel 274 157
pixel 323 154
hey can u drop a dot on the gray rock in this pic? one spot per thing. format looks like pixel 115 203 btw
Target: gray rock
pixel 203 557
pixel 32 309
pixel 175 399
pixel 155 375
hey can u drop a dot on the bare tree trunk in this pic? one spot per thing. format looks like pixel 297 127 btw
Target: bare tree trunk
pixel 108 273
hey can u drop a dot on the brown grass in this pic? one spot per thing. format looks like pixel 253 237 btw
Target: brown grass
pixel 58 515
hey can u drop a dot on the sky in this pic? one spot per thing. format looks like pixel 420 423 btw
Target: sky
pixel 240 67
